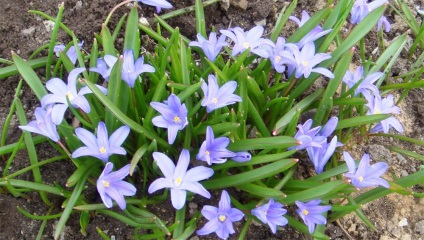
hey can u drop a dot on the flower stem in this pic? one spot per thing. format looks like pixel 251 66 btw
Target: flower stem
pixel 64 148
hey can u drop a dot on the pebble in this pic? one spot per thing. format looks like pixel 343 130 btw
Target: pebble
pixel 28 31
pixel 240 3
pixel 78 5
pixel 49 25
pixel 419 227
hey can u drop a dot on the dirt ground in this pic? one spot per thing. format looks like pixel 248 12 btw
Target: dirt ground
pixel 395 216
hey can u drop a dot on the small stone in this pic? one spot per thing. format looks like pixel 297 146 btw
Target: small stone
pixel 261 22
pixel 28 31
pixel 49 25
pixel 78 5
pixel 192 205
pixel 406 237
pixel 240 4
pixel 225 4
pixel 403 222
pixel 143 21
pixel 419 227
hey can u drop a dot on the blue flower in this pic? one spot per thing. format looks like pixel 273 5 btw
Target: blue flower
pixel 278 55
pixel 251 39
pixel 308 137
pixel 61 92
pixel 43 124
pixel 102 146
pixel 361 9
pixel 376 105
pixel 366 84
pixel 178 179
pixel 159 4
pixel 214 150
pixel 111 186
pixel 383 22
pixel 104 67
pixel 311 213
pixel 366 175
pixel 218 97
pixel 131 70
pixel 174 116
pixel 220 218
pixel 311 36
pixel 242 157
pixel 271 214
pixel 210 47
pixel 302 62
pixel 71 53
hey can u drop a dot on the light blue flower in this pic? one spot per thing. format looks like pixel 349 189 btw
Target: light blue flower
pixel 71 53
pixel 311 213
pixel 178 179
pixel 104 67
pixel 251 39
pixel 366 84
pixel 131 70
pixel 218 97
pixel 366 175
pixel 383 22
pixel 278 55
pixel 220 218
pixel 43 124
pixel 111 186
pixel 210 47
pixel 61 91
pixel 242 157
pixel 361 9
pixel 271 214
pixel 214 150
pixel 311 36
pixel 308 136
pixel 102 146
pixel 376 105
pixel 303 62
pixel 173 116
pixel 159 4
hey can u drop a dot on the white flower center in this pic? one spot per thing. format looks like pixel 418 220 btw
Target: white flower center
pixel 106 183
pixel 222 218
pixel 304 63
pixel 214 100
pixel 361 178
pixel 177 119
pixel 178 181
pixel 246 45
pixel 102 150
pixel 277 59
pixel 70 96
pixel 305 212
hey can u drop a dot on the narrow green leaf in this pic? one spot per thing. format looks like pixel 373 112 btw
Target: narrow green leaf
pixel 361 120
pixel 132 33
pixel 281 20
pixel 200 18
pixel 263 192
pixel 280 142
pixel 29 76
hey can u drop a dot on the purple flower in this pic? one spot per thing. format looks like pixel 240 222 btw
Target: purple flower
pixel 242 157
pixel 366 175
pixel 102 146
pixel 329 127
pixel 220 218
pixel 178 179
pixel 278 55
pixel 71 53
pixel 320 155
pixel 214 150
pixel 210 47
pixel 303 61
pixel 174 116
pixel 383 22
pixel 376 105
pixel 311 213
pixel 366 85
pixel 251 39
pixel 311 36
pixel 61 92
pixel 218 97
pixel 43 124
pixel 361 9
pixel 159 4
pixel 271 214
pixel 308 137
pixel 111 186
pixel 104 67
pixel 131 70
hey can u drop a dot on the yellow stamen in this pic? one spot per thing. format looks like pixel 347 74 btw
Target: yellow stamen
pixel 305 212
pixel 222 218
pixel 102 150
pixel 207 152
pixel 361 179
pixel 246 45
pixel 305 63
pixel 178 181
pixel 277 59
pixel 214 100
pixel 377 112
pixel 177 119
pixel 106 183
pixel 70 96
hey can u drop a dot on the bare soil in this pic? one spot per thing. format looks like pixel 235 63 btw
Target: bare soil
pixel 24 32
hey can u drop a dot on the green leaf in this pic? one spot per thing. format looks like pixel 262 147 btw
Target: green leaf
pixel 281 20
pixel 13 70
pixel 263 192
pixel 361 120
pixel 137 156
pixel 29 76
pixel 132 34
pixel 200 18
pixel 249 176
pixel 317 192
pixel 84 220
pixel 280 142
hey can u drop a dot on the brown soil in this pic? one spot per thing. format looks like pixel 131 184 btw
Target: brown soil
pixel 24 32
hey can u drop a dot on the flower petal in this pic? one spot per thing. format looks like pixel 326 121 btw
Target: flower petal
pixel 178 198
pixel 165 164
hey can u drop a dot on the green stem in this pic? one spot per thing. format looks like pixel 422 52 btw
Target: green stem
pixel 179 221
